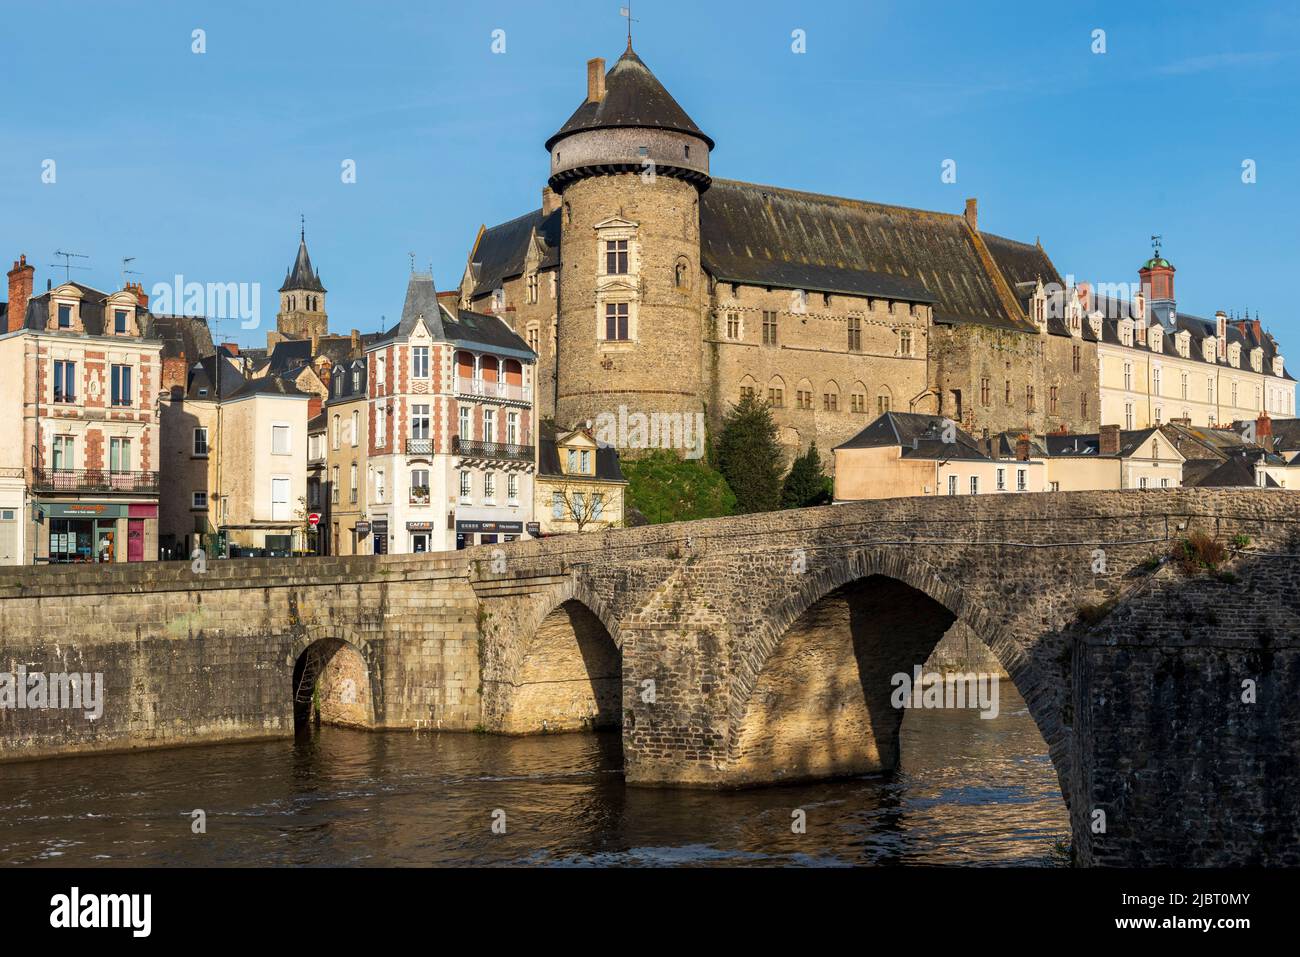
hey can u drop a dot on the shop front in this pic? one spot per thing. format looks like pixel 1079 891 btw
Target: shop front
pixel 419 535
pixel 486 532
pixel 80 532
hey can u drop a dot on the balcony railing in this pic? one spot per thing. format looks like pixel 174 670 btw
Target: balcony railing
pixel 492 450
pixel 493 390
pixel 95 480
pixel 416 446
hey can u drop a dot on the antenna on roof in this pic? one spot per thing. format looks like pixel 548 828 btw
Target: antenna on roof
pixel 627 12
pixel 67 263
pixel 128 272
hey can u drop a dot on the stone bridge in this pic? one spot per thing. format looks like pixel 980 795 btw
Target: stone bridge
pixel 750 650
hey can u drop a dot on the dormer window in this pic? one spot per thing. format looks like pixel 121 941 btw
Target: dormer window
pixel 65 316
pixel 1184 342
pixel 1257 359
pixel 1234 355
pixel 1278 365
pixel 578 461
pixel 1126 332
pixel 1207 350
pixel 119 322
pixel 1156 339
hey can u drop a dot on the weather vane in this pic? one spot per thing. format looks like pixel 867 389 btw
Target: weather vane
pixel 627 12
pixel 1155 244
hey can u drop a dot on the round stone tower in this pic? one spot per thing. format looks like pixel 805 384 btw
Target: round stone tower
pixel 629 166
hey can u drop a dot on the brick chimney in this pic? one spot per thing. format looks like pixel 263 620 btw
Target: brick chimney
pixel 1221 333
pixel 973 213
pixel 1264 432
pixel 1022 448
pixel 233 347
pixel 20 292
pixel 550 200
pixel 595 79
pixel 141 296
pixel 1108 440
pixel 356 339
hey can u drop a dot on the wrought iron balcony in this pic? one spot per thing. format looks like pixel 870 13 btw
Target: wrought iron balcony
pixel 416 446
pixel 95 480
pixel 501 451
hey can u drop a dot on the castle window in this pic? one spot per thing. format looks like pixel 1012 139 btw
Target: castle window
pixel 882 404
pixel 1051 400
pixel 1128 376
pixel 858 402
pixel 803 399
pixel 830 402
pixel 616 257
pixel 616 321
pixel 1075 358
pixel 855 334
pixel 985 392
pixel 1183 384
pixel 681 277
pixel 776 398
pixel 905 342
pixel 1029 398
pixel 733 325
pixel 1007 398
pixel 533 337
pixel 746 392
pixel 1083 406
pixel 769 327
pixel 688 151
pixel 532 287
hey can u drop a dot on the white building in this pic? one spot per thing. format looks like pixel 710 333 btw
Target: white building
pixel 452 435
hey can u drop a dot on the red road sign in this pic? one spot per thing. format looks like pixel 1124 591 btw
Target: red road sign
pixel 314 519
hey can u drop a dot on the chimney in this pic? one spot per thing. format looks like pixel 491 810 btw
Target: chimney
pixel 550 200
pixel 233 347
pixel 1109 440
pixel 20 291
pixel 1022 448
pixel 595 79
pixel 1185 420
pixel 1221 333
pixel 356 339
pixel 1085 296
pixel 141 296
pixel 972 213
pixel 1264 432
pixel 315 344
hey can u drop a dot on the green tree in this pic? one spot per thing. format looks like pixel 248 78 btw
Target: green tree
pixel 663 487
pixel 806 484
pixel 749 456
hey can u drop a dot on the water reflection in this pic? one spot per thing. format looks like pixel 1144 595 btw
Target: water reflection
pixel 971 791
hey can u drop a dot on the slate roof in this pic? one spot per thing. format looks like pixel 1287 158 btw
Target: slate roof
pixel 633 97
pixel 608 468
pixel 267 385
pixel 919 437
pixel 301 275
pixel 766 235
pixel 184 336
pixel 202 376
pixel 341 380
pixel 92 311
pixel 1286 434
pixel 1237 471
pixel 501 251
pixel 1080 445
pixel 1202 443
pixel 465 328
pixel 1004 445
pixel 1245 334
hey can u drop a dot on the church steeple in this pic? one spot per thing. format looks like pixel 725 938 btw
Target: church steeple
pixel 302 298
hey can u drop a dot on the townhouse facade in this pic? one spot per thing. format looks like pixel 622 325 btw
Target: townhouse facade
pixel 580 486
pixel 80 374
pixel 346 436
pixel 451 430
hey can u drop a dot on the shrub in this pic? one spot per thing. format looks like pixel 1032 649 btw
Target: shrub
pixel 1199 551
pixel 665 488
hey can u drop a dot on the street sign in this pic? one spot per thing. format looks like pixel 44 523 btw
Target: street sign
pixel 314 519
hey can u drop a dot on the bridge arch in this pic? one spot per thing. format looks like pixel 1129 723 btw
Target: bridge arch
pixel 333 681
pixel 852 592
pixel 567 668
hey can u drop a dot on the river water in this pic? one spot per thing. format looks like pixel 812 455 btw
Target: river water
pixel 970 791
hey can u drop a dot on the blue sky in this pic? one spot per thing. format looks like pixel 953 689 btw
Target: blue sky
pixel 201 164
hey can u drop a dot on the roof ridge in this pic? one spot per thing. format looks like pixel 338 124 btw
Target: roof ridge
pixel 838 199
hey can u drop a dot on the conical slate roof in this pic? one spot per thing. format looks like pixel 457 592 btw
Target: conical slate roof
pixel 633 97
pixel 302 276
pixel 421 300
